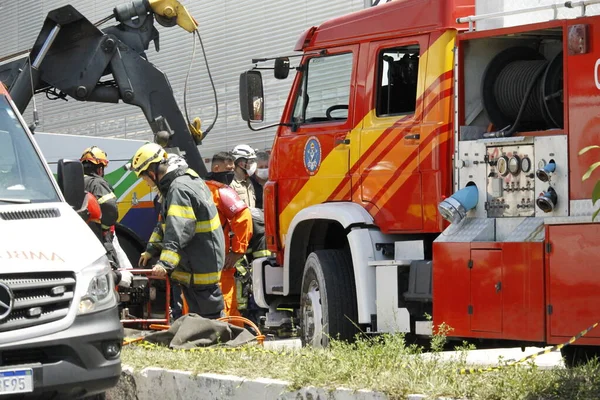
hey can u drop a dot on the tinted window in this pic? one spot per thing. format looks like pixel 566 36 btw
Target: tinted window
pixel 397 82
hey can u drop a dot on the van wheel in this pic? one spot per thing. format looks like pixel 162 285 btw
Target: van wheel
pixel 328 303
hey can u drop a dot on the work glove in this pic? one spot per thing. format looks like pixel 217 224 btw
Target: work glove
pixel 144 257
pixel 126 278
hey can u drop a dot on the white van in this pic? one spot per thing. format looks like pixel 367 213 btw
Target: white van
pixel 60 334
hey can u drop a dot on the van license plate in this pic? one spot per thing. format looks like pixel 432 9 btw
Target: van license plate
pixel 16 381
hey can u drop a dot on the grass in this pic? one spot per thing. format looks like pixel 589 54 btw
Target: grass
pixel 384 363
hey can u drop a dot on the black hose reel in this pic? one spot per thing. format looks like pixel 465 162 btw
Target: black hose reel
pixel 521 90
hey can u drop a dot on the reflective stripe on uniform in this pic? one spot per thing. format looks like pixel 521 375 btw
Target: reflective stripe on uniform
pixel 191 172
pixel 163 227
pixel 181 211
pixel 208 226
pixel 105 227
pixel 106 198
pixel 155 238
pixel 170 256
pixel 261 253
pixel 199 279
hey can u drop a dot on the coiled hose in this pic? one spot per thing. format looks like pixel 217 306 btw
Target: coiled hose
pixel 521 90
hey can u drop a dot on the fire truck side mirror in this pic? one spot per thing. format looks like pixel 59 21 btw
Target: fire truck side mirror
pixel 251 96
pixel 281 68
pixel 70 180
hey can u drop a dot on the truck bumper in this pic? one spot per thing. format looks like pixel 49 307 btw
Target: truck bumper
pixel 73 363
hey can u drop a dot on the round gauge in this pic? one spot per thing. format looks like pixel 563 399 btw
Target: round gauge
pixel 514 165
pixel 502 165
pixel 526 164
pixel 541 164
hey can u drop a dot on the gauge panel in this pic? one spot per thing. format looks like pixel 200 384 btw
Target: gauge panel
pixel 510 189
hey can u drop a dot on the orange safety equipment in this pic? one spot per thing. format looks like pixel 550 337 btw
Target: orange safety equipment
pixel 94 155
pixel 236 220
pixel 93 208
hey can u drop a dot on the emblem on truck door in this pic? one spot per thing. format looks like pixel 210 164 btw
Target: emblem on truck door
pixel 6 301
pixel 312 155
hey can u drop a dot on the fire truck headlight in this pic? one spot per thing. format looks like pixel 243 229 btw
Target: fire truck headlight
pixel 454 209
pixel 543 174
pixel 547 200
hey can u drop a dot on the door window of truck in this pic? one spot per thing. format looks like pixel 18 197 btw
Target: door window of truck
pixel 397 82
pixel 23 177
pixel 324 93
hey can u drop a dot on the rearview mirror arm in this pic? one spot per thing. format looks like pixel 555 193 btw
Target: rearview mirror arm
pixel 265 127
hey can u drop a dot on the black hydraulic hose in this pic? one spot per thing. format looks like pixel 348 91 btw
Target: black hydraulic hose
pixel 213 87
pixel 185 85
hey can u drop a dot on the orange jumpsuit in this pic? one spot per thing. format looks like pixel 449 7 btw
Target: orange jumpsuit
pixel 236 220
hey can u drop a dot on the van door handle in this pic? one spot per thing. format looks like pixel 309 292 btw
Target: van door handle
pixel 414 136
pixel 342 141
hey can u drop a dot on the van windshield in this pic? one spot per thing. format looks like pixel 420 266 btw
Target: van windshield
pixel 23 178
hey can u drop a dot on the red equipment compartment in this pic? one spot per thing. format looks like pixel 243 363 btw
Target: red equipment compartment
pixel 490 290
pixel 573 277
pixel 486 290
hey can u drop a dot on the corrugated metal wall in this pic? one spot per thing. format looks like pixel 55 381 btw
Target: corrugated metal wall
pixel 233 32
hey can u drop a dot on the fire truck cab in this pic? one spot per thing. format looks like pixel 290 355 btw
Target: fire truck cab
pixel 423 167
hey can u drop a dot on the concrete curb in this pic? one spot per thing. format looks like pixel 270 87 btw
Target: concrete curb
pixel 153 383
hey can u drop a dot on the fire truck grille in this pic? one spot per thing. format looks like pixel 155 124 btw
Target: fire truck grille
pixel 27 301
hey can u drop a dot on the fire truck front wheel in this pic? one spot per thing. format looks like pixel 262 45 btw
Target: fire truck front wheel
pixel 328 302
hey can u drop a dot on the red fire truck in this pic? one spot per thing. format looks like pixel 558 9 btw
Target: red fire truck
pixel 424 167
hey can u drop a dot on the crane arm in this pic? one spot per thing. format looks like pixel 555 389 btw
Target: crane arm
pixel 72 56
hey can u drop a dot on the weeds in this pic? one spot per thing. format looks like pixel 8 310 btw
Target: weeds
pixel 384 363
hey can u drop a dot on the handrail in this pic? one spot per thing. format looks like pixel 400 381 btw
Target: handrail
pixel 569 4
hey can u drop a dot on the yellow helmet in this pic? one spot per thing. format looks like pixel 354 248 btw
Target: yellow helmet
pixel 94 155
pixel 147 154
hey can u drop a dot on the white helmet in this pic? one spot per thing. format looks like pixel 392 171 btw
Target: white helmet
pixel 243 151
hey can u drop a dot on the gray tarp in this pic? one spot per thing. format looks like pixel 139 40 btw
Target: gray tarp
pixel 192 330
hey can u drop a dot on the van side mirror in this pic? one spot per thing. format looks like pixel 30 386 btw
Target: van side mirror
pixel 252 104
pixel 70 180
pixel 282 67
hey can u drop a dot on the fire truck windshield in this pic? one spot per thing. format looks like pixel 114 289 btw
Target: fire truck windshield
pixel 23 177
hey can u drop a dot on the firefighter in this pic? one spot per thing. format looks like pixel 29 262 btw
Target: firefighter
pixel 222 167
pixel 189 237
pixel 94 161
pixel 236 220
pixel 245 167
